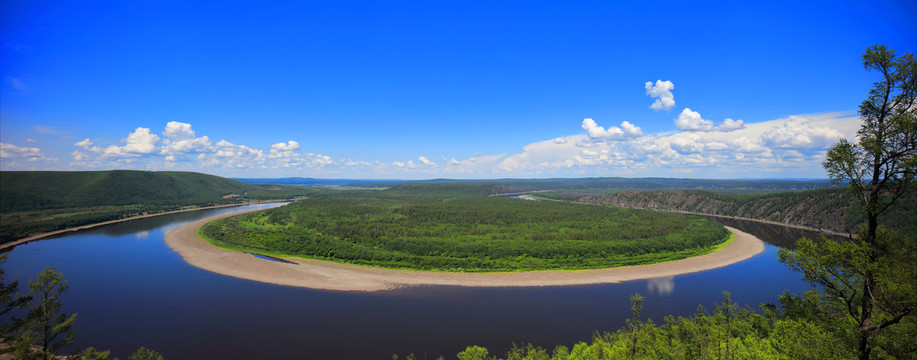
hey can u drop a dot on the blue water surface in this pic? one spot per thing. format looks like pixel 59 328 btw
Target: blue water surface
pixel 130 289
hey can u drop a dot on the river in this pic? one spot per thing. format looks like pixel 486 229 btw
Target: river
pixel 130 289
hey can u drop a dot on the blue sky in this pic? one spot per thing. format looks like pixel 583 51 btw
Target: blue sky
pixel 438 89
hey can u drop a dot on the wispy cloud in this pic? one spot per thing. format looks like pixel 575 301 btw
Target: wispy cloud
pixel 42 129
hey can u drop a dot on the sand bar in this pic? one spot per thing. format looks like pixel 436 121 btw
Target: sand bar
pixel 318 274
pixel 12 244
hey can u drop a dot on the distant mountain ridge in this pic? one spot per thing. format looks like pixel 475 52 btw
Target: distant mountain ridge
pixel 516 185
pixel 311 181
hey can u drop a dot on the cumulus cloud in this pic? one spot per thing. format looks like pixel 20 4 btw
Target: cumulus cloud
pixel 178 130
pixel 139 142
pixel 745 149
pixel 316 160
pixel 288 146
pixel 662 92
pixel 30 154
pixel 692 121
pixel 85 144
pixel 730 125
pixel 627 130
pixel 79 156
pixel 800 132
pixel 9 151
pixel 426 161
pixel 180 139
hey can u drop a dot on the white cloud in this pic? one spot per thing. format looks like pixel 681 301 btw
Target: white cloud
pixel 800 132
pixel 178 130
pixel 85 144
pixel 426 161
pixel 692 121
pixel 9 151
pixel 288 146
pixel 316 160
pixel 686 145
pixel 30 154
pixel 662 92
pixel 139 142
pixel 31 140
pixel 730 125
pixel 739 152
pixel 179 139
pixel 79 156
pixel 627 130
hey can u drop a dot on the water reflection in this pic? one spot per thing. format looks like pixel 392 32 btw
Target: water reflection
pixel 132 290
pixel 782 236
pixel 662 285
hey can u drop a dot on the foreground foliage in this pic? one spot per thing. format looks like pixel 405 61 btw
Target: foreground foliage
pixel 34 326
pixel 797 329
pixel 873 277
pixel 441 227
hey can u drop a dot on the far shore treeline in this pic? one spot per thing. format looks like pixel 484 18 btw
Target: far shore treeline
pixel 34 202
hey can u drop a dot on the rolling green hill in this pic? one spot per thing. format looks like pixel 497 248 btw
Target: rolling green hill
pixel 40 201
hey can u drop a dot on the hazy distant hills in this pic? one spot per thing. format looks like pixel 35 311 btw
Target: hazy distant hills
pixel 314 181
pixel 517 185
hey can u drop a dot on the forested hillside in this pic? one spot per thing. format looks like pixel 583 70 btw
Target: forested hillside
pixel 827 209
pixel 32 190
pixel 40 201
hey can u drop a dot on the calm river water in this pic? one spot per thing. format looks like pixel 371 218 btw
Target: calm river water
pixel 130 290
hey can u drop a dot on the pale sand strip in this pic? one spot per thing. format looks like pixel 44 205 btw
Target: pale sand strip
pixel 329 275
pixel 12 244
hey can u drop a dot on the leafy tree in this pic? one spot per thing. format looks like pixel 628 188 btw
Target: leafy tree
pixel 10 300
pixel 145 354
pixel 93 354
pixel 474 353
pixel 636 307
pixel 46 328
pixel 872 276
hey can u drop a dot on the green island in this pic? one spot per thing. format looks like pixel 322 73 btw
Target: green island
pixel 457 227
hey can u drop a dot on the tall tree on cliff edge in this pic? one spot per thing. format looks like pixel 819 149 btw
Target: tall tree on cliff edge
pixel 871 278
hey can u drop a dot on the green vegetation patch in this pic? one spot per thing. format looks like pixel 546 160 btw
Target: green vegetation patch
pixel 442 228
pixel 34 202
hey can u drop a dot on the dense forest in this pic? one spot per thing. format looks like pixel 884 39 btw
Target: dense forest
pixel 826 209
pixel 455 227
pixel 33 202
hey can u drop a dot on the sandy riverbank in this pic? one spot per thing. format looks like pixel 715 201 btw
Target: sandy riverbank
pixel 328 275
pixel 89 226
